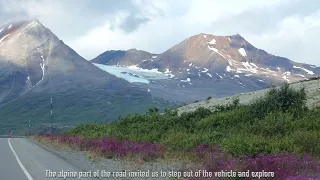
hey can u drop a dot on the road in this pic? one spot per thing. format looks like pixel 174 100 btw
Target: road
pixel 21 159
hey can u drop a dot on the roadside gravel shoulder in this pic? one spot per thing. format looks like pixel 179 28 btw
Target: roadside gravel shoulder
pixel 83 162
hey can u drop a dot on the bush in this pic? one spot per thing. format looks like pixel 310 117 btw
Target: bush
pixel 284 99
pixel 235 104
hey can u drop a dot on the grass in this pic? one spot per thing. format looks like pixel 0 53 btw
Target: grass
pixel 275 132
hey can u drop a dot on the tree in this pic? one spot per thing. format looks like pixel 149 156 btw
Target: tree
pixel 153 110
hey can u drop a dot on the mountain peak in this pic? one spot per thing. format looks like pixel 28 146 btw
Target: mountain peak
pixel 236 35
pixel 133 49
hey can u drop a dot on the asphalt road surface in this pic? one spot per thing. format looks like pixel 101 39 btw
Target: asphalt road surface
pixel 21 159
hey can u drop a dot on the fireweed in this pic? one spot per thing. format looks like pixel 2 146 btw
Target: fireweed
pixel 284 165
pixel 110 146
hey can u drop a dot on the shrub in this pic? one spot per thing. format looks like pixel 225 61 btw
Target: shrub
pixel 153 110
pixel 284 99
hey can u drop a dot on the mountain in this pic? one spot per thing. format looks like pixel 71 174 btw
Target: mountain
pixel 35 65
pixel 207 65
pixel 120 57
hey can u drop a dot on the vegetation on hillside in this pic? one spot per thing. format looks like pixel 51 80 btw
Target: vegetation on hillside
pixel 275 132
pixel 277 122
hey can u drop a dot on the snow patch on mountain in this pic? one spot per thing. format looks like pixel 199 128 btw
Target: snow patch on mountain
pixel 135 67
pixel 242 52
pixel 253 64
pixel 28 78
pixel 10 26
pixel 229 69
pixel 249 67
pixel 190 64
pixel 209 74
pixel 205 36
pixel 168 73
pixel 33 24
pixel 241 83
pixel 1 30
pixel 205 70
pixel 187 80
pixel 219 75
pixel 306 70
pixel 238 71
pixel 237 76
pixel 4 37
pixel 216 51
pixel 267 69
pixel 42 67
pixel 134 74
pixel 212 42
pixel 154 57
pixel 288 73
pixel 285 78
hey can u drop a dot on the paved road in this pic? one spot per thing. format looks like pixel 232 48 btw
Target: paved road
pixel 21 159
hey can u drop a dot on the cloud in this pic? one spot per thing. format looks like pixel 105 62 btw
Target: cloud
pixel 69 19
pixel 296 38
pixel 286 28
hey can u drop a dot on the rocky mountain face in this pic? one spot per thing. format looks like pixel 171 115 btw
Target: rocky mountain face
pixel 207 65
pixel 35 65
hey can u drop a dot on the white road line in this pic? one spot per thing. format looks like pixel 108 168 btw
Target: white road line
pixel 21 165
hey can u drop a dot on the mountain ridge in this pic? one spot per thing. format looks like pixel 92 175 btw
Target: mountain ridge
pixel 209 62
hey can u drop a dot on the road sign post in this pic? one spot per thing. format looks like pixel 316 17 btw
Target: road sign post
pixel 29 127
pixel 51 119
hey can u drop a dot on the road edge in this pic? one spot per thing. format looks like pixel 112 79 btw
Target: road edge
pixel 60 156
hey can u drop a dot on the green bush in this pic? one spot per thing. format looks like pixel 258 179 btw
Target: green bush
pixel 307 141
pixel 284 99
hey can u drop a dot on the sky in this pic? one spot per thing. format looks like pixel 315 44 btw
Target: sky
pixel 287 28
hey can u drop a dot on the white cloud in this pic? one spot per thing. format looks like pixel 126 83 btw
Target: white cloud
pixel 295 37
